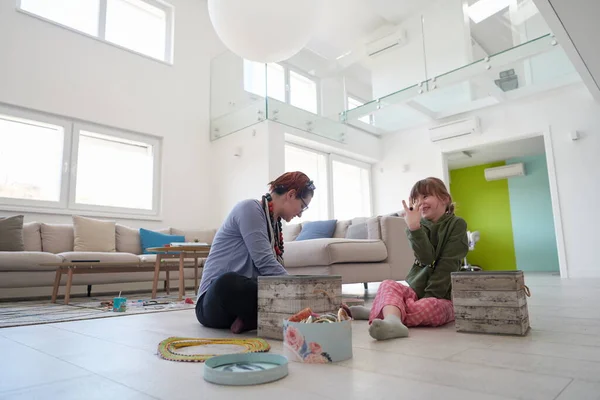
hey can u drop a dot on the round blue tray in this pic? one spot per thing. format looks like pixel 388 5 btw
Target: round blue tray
pixel 245 369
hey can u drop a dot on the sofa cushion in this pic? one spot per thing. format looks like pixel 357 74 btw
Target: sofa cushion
pixel 357 231
pixel 155 239
pixel 359 220
pixel 27 260
pixel 32 236
pixel 71 256
pixel 57 238
pixel 317 230
pixel 11 233
pixel 319 252
pixel 192 235
pixel 93 235
pixel 128 239
pixel 374 228
pixel 291 232
pixel 341 227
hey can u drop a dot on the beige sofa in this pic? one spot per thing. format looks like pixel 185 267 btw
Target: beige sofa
pixel 54 243
pixel 384 254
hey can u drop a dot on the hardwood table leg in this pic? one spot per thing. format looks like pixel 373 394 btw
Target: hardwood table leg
pixel 69 283
pixel 56 284
pixel 168 283
pixel 181 277
pixel 196 275
pixel 156 273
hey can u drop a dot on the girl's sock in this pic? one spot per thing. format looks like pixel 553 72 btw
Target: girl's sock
pixel 388 328
pixel 360 312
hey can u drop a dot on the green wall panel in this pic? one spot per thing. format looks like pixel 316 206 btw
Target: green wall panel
pixel 486 208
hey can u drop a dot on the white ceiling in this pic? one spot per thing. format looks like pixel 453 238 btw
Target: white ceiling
pixel 345 23
pixel 497 152
pixel 344 27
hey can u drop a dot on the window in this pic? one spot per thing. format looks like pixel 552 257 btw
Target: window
pixel 112 21
pixel 313 164
pixel 31 160
pixel 254 79
pixel 343 185
pixel 302 93
pixel 353 102
pixel 125 182
pixel 351 189
pixel 76 166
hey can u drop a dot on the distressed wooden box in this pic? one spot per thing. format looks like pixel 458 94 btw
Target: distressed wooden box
pixel 280 297
pixel 490 302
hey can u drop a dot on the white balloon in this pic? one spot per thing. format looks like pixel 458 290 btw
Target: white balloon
pixel 264 30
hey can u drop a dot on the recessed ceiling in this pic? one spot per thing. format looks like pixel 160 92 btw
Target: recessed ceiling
pixel 494 153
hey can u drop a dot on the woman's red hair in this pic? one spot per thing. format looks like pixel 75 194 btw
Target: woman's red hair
pixel 297 181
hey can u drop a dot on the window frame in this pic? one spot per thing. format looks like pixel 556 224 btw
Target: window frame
pixel 154 142
pixel 67 204
pixel 103 4
pixel 287 68
pixel 329 205
pixel 16 114
pixel 356 163
pixel 288 86
pixel 330 158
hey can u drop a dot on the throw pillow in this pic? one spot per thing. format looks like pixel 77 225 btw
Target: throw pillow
pixel 11 234
pixel 94 235
pixel 291 232
pixel 374 228
pixel 156 239
pixel 358 231
pixel 317 230
pixel 57 238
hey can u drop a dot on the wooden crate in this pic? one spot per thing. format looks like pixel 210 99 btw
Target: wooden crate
pixel 280 297
pixel 490 302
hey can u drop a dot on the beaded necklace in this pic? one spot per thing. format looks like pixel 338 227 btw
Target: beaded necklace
pixel 274 227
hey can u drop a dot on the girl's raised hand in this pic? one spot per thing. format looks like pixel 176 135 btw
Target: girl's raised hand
pixel 412 216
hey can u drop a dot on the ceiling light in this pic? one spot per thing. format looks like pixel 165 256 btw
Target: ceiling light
pixel 484 9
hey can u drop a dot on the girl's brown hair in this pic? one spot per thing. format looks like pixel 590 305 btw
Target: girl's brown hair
pixel 432 187
pixel 297 181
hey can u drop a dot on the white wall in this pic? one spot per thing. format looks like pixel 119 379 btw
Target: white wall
pixel 576 162
pixel 48 68
pixel 241 177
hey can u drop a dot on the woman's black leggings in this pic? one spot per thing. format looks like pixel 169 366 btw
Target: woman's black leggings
pixel 229 297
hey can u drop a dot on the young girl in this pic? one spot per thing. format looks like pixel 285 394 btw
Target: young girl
pixel 439 241
pixel 249 244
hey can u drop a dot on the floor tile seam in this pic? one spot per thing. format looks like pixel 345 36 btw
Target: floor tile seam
pixel 12 391
pixel 416 379
pixel 90 373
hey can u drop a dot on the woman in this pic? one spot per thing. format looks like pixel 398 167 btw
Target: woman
pixel 439 241
pixel 249 244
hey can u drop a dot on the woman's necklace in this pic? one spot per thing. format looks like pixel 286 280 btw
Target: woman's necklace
pixel 275 226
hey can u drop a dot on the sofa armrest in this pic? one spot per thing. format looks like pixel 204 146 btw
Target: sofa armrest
pixel 400 255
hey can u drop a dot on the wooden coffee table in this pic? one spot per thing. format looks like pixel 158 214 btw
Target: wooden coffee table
pixel 92 267
pixel 181 252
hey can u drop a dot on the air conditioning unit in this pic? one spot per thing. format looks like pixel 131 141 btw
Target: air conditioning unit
pixel 378 46
pixel 504 172
pixel 462 127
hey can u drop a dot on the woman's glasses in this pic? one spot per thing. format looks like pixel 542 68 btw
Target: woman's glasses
pixel 304 205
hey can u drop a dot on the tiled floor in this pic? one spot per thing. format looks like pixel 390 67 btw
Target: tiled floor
pixel 115 358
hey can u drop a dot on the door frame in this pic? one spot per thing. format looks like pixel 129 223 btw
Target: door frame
pixel 552 178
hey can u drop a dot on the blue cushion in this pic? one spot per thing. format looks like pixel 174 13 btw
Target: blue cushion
pixel 156 239
pixel 317 230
